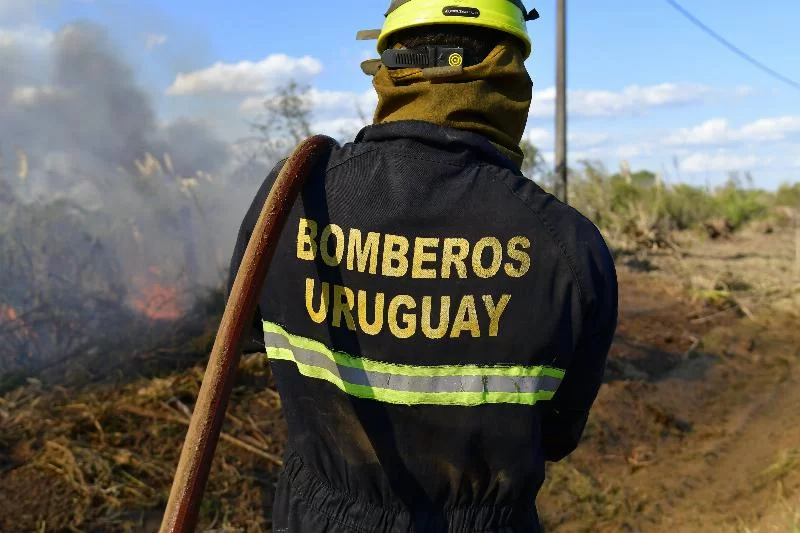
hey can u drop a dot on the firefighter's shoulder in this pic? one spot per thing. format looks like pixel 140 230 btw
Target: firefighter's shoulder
pixel 580 242
pixel 591 257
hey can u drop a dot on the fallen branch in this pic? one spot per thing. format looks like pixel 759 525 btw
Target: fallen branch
pixel 707 318
pixel 259 435
pixel 166 417
pixel 744 309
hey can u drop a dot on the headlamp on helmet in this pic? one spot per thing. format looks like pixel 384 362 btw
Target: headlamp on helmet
pixel 508 16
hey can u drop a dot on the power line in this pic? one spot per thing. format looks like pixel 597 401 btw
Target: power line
pixel 738 51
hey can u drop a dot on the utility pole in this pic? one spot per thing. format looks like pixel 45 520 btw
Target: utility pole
pixel 561 100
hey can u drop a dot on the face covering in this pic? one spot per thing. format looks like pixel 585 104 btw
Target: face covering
pixel 491 98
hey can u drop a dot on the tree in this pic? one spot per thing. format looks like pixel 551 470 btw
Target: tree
pixel 533 165
pixel 286 120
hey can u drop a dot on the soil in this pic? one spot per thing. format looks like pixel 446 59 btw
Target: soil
pixel 696 429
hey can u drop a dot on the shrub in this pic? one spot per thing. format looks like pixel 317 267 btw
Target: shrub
pixel 686 206
pixel 788 195
pixel 739 205
pixel 640 204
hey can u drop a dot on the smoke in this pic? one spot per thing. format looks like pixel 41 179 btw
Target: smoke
pixel 90 107
pixel 159 202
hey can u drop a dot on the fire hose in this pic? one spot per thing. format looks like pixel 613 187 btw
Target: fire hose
pixel 191 476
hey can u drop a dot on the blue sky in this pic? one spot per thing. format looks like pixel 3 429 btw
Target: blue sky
pixel 646 85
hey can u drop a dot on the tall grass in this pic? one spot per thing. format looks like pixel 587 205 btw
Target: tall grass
pixel 641 203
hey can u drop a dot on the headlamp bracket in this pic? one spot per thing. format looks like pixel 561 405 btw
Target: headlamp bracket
pixel 423 57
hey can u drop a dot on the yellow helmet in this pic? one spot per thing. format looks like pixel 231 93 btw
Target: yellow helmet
pixel 508 16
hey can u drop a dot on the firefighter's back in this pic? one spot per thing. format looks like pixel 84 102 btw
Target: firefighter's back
pixel 422 308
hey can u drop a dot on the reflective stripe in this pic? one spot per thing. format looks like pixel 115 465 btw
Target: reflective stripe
pixel 410 384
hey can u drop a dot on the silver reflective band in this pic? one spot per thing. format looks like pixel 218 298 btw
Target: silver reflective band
pixel 453 385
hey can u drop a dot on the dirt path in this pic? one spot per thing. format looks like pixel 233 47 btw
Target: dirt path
pixel 698 426
pixel 746 466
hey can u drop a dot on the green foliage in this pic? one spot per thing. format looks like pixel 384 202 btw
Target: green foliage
pixel 686 206
pixel 738 205
pixel 644 178
pixel 534 165
pixel 640 203
pixel 632 203
pixel 788 195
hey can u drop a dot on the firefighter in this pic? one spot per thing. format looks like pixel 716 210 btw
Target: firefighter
pixel 437 324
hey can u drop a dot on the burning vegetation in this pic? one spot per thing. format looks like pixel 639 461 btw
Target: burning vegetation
pixel 111 224
pixel 157 301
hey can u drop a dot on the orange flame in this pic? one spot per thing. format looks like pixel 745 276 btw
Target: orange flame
pixel 158 302
pixel 9 314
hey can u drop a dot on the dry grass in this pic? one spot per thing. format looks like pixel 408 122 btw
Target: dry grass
pixel 112 453
pixel 786 462
pixel 598 504
pixel 783 518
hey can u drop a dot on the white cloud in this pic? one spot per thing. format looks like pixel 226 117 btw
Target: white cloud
pixel 338 127
pixel 335 112
pixel 337 100
pixel 154 40
pixel 539 136
pixel 712 131
pixel 32 95
pixel 582 103
pixel 632 99
pixel 575 156
pixel 719 131
pixel 252 104
pixel 587 139
pixel 245 76
pixel 576 139
pixel 631 150
pixel 636 97
pixel 339 104
pixel 771 129
pixel 25 37
pixel 543 104
pixel 721 161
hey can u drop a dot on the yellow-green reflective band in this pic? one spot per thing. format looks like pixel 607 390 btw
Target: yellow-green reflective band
pixel 409 384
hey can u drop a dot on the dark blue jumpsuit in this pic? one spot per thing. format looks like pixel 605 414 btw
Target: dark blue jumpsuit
pixel 438 328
